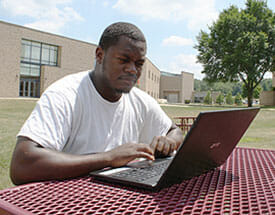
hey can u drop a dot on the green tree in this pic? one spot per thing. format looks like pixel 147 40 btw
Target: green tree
pixel 229 99
pixel 256 93
pixel 208 98
pixel 197 85
pixel 237 88
pixel 240 46
pixel 222 87
pixel 238 99
pixel 220 99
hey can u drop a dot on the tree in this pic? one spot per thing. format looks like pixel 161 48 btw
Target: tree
pixel 256 93
pixel 240 46
pixel 229 99
pixel 237 88
pixel 222 87
pixel 238 99
pixel 208 98
pixel 220 99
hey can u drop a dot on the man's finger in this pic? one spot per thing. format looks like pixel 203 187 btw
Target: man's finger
pixel 160 145
pixel 166 149
pixel 145 148
pixel 154 143
pixel 146 155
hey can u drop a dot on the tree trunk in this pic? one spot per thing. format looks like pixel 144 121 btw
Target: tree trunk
pixel 249 97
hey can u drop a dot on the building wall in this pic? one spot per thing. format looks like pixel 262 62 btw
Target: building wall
pixel 150 79
pixel 74 56
pixel 180 86
pixel 170 88
pixel 187 86
pixel 267 98
pixel 10 45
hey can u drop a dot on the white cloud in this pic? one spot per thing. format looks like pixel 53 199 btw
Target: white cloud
pixel 187 63
pixel 197 13
pixel 48 15
pixel 177 41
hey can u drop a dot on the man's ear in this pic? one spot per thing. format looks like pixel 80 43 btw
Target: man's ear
pixel 99 53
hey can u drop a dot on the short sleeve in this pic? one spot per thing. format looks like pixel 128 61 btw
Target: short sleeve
pixel 156 123
pixel 50 122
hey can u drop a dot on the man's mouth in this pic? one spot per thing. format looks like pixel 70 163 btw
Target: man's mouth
pixel 129 79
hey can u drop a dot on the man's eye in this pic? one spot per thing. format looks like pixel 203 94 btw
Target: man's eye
pixel 123 60
pixel 139 64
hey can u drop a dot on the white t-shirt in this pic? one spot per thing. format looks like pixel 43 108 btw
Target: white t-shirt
pixel 71 116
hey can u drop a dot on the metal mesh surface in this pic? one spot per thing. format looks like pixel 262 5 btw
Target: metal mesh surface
pixel 245 184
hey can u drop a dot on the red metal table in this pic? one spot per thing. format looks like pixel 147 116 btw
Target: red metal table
pixel 245 184
pixel 184 122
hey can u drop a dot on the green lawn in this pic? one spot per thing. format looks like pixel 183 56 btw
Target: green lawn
pixel 13 113
pixel 260 134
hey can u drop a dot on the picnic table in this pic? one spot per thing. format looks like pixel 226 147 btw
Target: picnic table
pixel 184 122
pixel 244 184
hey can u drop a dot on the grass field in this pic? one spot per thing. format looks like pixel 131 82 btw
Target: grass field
pixel 13 113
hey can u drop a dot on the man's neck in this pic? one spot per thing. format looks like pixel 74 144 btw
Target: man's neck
pixel 106 92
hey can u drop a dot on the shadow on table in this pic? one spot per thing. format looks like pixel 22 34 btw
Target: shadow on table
pixel 201 190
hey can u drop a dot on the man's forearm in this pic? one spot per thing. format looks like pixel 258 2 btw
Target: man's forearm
pixel 31 162
pixel 34 163
pixel 176 134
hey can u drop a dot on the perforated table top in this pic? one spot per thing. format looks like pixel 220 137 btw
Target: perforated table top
pixel 245 184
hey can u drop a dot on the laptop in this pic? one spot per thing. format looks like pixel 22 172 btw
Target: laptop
pixel 207 145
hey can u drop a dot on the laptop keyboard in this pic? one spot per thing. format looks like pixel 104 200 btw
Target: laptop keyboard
pixel 144 173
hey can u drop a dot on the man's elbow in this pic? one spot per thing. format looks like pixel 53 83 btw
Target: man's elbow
pixel 20 171
pixel 15 173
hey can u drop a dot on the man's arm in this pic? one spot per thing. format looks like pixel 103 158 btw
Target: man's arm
pixel 31 162
pixel 166 145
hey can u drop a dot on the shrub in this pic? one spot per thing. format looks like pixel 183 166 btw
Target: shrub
pixel 238 99
pixel 220 99
pixel 229 99
pixel 208 98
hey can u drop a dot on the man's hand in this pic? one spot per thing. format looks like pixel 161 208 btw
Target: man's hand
pixel 163 146
pixel 125 153
pixel 166 145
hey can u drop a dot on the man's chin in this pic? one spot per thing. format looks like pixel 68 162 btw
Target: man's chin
pixel 123 90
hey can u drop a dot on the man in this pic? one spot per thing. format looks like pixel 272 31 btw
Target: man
pixel 95 119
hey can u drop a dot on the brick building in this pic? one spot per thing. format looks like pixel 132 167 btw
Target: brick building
pixel 31 60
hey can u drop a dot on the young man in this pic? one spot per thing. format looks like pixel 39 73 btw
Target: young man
pixel 95 119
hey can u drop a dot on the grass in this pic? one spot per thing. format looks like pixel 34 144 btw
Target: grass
pixel 13 113
pixel 260 134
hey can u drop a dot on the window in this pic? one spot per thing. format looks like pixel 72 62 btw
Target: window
pixel 49 55
pixel 29 70
pixel 33 55
pixel 39 53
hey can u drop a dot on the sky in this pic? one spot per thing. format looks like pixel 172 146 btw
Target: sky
pixel 170 26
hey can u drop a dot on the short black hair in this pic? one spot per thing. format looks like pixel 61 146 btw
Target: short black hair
pixel 113 32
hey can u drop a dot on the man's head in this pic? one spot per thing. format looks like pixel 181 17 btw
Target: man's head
pixel 112 34
pixel 120 56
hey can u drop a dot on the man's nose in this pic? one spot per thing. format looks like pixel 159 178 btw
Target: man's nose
pixel 131 68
